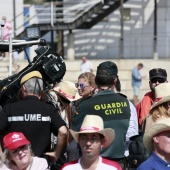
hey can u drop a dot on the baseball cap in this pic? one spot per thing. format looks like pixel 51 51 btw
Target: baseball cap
pixel 30 75
pixel 107 68
pixel 157 73
pixel 14 140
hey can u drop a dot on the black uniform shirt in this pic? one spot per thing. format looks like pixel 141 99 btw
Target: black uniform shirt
pixel 35 119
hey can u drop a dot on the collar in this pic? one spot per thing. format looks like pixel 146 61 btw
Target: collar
pixel 31 97
pixel 160 160
pixel 104 92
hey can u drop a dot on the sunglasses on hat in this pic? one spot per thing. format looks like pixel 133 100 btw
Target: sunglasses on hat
pixel 155 80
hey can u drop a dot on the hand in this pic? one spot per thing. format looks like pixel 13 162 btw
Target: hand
pixel 143 77
pixel 52 155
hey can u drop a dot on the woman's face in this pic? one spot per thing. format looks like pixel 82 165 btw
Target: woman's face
pixel 21 156
pixel 84 88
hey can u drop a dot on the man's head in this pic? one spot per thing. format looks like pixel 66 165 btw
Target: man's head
pixel 31 83
pixel 157 137
pixel 84 59
pixel 140 66
pixel 106 74
pixel 156 77
pixel 92 135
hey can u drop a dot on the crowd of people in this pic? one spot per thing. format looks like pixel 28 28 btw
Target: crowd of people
pixel 92 126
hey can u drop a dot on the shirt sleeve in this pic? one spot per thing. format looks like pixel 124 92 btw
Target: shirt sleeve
pixel 133 124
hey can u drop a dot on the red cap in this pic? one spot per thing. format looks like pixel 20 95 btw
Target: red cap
pixel 14 140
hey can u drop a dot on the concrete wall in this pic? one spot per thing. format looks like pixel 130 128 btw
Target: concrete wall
pixel 103 40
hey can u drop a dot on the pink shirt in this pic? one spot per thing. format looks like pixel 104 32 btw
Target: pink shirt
pixel 7 29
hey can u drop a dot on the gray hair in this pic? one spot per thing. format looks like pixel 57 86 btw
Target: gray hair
pixel 34 85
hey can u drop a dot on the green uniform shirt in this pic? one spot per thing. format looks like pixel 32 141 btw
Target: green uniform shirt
pixel 115 112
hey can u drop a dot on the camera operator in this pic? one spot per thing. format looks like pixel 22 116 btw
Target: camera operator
pixel 34 118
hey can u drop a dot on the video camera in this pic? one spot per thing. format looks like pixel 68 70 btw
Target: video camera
pixel 48 63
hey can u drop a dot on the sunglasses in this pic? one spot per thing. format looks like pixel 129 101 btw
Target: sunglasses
pixel 155 80
pixel 82 86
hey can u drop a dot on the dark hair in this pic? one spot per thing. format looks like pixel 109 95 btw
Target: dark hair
pixel 118 85
pixel 104 79
pixel 140 64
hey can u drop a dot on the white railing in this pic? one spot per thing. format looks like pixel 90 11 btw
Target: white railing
pixel 50 14
pixel 65 14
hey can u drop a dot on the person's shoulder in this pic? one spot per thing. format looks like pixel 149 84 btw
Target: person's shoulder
pixel 111 163
pixel 149 94
pixel 148 164
pixel 68 164
pixel 39 163
pixel 84 100
pixel 123 95
pixel 3 166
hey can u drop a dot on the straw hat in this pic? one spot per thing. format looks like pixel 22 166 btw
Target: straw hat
pixel 94 124
pixel 162 94
pixel 160 126
pixel 68 90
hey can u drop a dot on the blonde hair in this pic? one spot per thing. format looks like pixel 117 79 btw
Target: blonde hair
pixel 89 77
pixel 6 158
pixel 160 111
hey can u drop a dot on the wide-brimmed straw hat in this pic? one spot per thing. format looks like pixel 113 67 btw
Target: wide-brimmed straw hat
pixel 162 94
pixel 67 90
pixel 163 124
pixel 94 124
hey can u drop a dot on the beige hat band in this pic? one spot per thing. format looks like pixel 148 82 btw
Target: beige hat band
pixel 89 128
pixel 66 95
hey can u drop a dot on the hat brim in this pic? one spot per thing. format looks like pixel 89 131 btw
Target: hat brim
pixel 108 134
pixel 77 96
pixel 17 144
pixel 158 76
pixel 148 135
pixel 163 100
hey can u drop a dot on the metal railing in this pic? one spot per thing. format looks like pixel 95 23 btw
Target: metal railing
pixel 66 12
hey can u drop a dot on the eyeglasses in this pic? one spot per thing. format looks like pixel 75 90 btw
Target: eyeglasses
pixel 155 80
pixel 82 86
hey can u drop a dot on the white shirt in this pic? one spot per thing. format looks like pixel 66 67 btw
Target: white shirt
pixel 133 127
pixel 86 67
pixel 104 164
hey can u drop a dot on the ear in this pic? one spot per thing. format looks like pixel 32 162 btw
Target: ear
pixel 23 88
pixel 102 143
pixel 92 87
pixel 114 82
pixel 156 139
